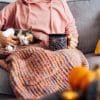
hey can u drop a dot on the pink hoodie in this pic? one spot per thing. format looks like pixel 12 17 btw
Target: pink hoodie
pixel 44 16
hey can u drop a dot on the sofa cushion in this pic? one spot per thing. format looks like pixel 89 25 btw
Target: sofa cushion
pixel 5 87
pixel 93 59
pixel 2 4
pixel 87 15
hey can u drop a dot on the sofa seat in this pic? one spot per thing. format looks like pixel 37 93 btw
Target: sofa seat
pixel 5 87
pixel 93 59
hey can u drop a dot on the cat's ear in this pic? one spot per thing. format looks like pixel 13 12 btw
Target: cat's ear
pixel 30 30
pixel 16 31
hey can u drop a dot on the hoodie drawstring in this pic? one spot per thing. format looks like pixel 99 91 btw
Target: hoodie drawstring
pixel 51 28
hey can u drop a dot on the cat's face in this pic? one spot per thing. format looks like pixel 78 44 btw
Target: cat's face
pixel 29 36
pixel 25 37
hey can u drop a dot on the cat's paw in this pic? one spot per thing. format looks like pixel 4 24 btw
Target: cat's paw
pixel 10 48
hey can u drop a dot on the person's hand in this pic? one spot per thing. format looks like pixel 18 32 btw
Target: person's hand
pixel 8 40
pixel 44 41
pixel 72 41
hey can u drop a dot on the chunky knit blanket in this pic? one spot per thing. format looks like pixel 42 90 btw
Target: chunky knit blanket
pixel 36 72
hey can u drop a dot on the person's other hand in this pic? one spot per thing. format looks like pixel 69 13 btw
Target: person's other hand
pixel 72 41
pixel 44 41
pixel 8 40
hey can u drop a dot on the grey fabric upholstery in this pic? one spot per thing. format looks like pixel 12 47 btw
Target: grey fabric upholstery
pixel 93 59
pixel 5 83
pixel 2 4
pixel 5 87
pixel 87 16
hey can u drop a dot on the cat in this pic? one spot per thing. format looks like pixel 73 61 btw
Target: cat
pixel 25 37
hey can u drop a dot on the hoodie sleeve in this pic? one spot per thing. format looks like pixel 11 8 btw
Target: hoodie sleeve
pixel 7 16
pixel 70 21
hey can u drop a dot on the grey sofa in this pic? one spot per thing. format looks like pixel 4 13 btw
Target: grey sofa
pixel 87 15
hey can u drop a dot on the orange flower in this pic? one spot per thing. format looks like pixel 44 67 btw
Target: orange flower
pixel 80 77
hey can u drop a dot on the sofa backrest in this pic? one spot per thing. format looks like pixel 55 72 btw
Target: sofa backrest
pixel 87 16
pixel 2 4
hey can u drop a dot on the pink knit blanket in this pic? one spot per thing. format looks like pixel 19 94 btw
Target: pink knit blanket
pixel 36 72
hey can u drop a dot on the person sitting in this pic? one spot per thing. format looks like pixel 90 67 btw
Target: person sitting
pixel 43 16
